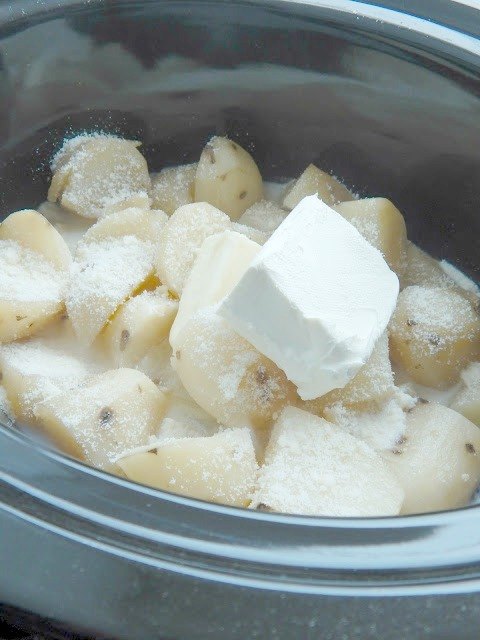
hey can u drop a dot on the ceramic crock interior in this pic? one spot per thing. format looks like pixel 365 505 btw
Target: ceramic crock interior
pixel 390 119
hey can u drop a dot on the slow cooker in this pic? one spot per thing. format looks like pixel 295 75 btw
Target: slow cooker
pixel 386 95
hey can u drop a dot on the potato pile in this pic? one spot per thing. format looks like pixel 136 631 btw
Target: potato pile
pixel 112 347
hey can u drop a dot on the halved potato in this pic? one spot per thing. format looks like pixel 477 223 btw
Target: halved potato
pixel 227 177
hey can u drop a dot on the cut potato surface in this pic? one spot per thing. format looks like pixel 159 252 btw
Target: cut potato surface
pixel 173 187
pixel 226 376
pixel 144 224
pixel 434 334
pixel 141 323
pixel 264 215
pixel 104 274
pixel 221 468
pixel 92 173
pixel 108 414
pixel 32 372
pixel 181 238
pixel 156 365
pixel 381 224
pixel 220 263
pixel 227 177
pixel 314 468
pixel 467 400
pixel 33 231
pixel 32 291
pixel 423 270
pixel 437 461
pixel 313 181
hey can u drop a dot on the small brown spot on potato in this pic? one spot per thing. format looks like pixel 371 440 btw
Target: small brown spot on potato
pixel 242 195
pixel 434 340
pixel 124 338
pixel 105 416
pixel 234 146
pixel 470 448
pixel 411 323
pixel 19 318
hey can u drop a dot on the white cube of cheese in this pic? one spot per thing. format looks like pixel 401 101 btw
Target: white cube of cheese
pixel 315 299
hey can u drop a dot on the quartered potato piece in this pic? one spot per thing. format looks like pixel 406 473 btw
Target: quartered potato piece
pixel 226 376
pixel 382 225
pixel 105 274
pixel 181 238
pixel 32 291
pixel 434 334
pixel 220 468
pixel 92 173
pixel 173 187
pixel 141 323
pixel 437 461
pixel 313 181
pixel 314 468
pixel 227 177
pixel 220 263
pixel 108 414
pixel 467 400
pixel 33 231
pixel 264 215
pixel 144 224
pixel 32 372
pixel 373 382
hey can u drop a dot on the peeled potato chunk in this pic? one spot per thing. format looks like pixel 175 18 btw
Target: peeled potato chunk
pixel 173 187
pixel 264 215
pixel 220 263
pixel 141 323
pixel 220 468
pixel 313 181
pixel 314 468
pixel 373 382
pixel 156 365
pixel 32 291
pixel 145 224
pixel 434 334
pixel 181 238
pixel 423 270
pixel 227 177
pixel 467 400
pixel 382 225
pixel 104 274
pixel 33 231
pixel 226 376
pixel 108 414
pixel 91 173
pixel 437 462
pixel 33 371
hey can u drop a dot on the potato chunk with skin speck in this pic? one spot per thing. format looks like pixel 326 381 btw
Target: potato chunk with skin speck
pixel 181 238
pixel 313 181
pixel 373 382
pixel 437 462
pixel 173 187
pixel 382 225
pixel 32 291
pixel 33 231
pixel 92 173
pixel 226 376
pixel 104 274
pixel 434 334
pixel 227 177
pixel 108 414
pixel 32 371
pixel 141 323
pixel 220 468
pixel 314 468
pixel 144 224
pixel 264 215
